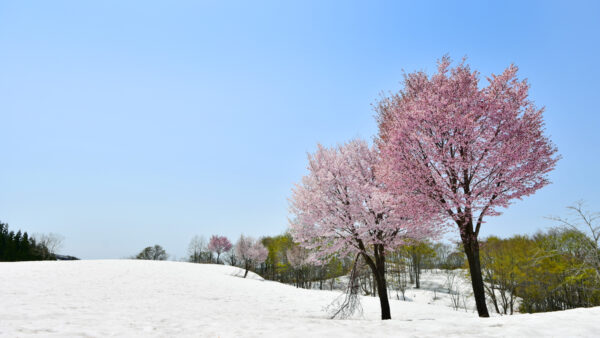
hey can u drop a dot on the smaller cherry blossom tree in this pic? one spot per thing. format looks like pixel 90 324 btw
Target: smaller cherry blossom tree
pixel 250 252
pixel 342 209
pixel 219 245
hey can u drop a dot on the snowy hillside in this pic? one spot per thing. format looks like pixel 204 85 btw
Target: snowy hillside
pixel 150 298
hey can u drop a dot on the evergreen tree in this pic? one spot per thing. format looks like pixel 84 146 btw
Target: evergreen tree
pixel 20 247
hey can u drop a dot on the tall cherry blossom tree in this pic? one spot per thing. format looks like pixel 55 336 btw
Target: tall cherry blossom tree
pixel 341 208
pixel 219 245
pixel 469 150
pixel 250 251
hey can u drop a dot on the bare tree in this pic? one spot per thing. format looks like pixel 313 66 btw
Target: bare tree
pixel 587 223
pixel 198 250
pixel 52 241
pixel 452 281
pixel 442 252
pixel 230 258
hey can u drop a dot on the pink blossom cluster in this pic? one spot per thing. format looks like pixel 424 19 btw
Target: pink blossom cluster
pixel 341 206
pixel 470 150
pixel 219 244
pixel 250 250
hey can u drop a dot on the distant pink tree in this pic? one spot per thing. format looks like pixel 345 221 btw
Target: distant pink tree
pixel 469 150
pixel 219 245
pixel 250 251
pixel 341 208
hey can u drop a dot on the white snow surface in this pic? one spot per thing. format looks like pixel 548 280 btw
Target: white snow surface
pixel 167 299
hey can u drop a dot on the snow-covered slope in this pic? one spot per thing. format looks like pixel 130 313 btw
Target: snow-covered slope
pixel 148 298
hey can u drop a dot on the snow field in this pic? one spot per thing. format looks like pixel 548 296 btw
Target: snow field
pixel 156 298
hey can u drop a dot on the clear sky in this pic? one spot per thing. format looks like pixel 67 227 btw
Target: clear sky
pixel 126 124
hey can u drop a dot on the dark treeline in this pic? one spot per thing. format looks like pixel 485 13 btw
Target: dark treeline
pixel 19 246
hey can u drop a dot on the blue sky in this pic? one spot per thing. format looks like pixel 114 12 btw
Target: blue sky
pixel 126 124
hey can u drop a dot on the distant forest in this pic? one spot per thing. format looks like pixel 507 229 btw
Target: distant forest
pixel 19 246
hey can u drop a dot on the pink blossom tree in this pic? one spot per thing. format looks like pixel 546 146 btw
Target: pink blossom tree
pixel 341 208
pixel 250 251
pixel 469 150
pixel 219 245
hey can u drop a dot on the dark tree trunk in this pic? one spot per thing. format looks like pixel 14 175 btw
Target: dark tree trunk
pixel 471 245
pixel 382 290
pixel 247 265
pixel 417 261
pixel 416 266
pixel 417 279
pixel 378 269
